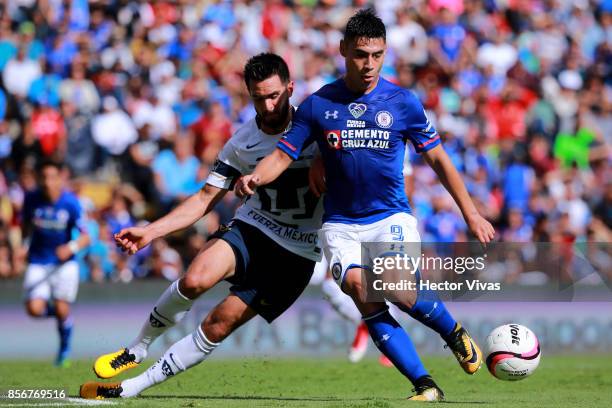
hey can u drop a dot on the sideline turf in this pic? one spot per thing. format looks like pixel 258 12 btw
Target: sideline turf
pixel 561 381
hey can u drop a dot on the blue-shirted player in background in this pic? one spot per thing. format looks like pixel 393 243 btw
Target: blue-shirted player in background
pixel 50 217
pixel 361 123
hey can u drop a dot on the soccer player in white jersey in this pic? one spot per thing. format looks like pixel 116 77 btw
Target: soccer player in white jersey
pixel 361 123
pixel 280 223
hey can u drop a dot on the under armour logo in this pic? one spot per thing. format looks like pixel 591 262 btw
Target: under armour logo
pixel 330 114
pixel 166 369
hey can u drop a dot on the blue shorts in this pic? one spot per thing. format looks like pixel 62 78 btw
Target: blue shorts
pixel 268 277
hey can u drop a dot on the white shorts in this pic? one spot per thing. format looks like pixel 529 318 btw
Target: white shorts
pixel 59 282
pixel 342 243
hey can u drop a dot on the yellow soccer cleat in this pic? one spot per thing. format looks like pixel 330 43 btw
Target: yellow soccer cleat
pixel 112 364
pixel 427 391
pixel 100 390
pixel 465 350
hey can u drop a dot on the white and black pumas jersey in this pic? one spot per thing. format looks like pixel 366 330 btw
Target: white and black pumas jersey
pixel 285 210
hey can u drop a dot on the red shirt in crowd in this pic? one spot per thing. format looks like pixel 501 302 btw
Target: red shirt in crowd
pixel 48 126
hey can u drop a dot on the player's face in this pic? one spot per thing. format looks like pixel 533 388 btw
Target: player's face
pixel 363 59
pixel 271 100
pixel 51 181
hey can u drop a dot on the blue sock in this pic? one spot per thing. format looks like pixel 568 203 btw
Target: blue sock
pixel 430 310
pixel 64 328
pixel 393 342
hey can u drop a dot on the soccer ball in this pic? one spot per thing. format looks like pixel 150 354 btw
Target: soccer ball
pixel 513 352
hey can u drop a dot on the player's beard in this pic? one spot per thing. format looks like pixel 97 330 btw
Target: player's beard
pixel 277 122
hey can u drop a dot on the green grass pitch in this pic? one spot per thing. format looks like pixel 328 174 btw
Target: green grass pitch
pixel 560 381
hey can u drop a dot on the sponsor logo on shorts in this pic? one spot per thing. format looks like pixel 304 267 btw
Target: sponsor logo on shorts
pixel 223 228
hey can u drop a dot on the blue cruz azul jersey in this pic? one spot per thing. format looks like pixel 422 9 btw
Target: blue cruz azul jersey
pixel 52 224
pixel 362 139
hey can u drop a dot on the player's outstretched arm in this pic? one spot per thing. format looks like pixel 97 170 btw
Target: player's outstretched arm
pixel 266 172
pixel 184 215
pixel 451 179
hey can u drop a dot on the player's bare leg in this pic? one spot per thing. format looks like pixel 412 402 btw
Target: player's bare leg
pixel 213 264
pixel 39 308
pixel 223 320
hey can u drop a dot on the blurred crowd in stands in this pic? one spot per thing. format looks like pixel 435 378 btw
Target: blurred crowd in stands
pixel 138 97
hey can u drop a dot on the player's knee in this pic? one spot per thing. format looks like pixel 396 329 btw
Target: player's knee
pixel 62 309
pixel 35 309
pixel 194 284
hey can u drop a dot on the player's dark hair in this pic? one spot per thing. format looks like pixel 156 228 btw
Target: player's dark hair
pixel 265 65
pixel 49 163
pixel 365 24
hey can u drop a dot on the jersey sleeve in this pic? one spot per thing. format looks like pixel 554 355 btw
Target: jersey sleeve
pixel 419 129
pixel 77 218
pixel 301 133
pixel 226 170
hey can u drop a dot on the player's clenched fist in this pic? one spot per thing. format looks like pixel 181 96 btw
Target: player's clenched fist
pixel 246 185
pixel 132 239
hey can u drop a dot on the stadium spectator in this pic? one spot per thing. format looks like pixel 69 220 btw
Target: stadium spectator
pixel 82 154
pixel 176 171
pixel 48 127
pixel 499 77
pixel 165 262
pixel 113 129
pixel 79 90
pixel 19 73
pixel 211 132
pixel 45 90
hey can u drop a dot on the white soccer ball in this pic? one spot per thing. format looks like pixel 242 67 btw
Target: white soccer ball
pixel 513 352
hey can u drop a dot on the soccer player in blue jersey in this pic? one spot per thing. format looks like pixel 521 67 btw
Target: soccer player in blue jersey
pixel 361 123
pixel 51 215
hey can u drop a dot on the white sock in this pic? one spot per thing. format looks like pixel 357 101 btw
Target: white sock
pixel 183 354
pixel 340 301
pixel 170 308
